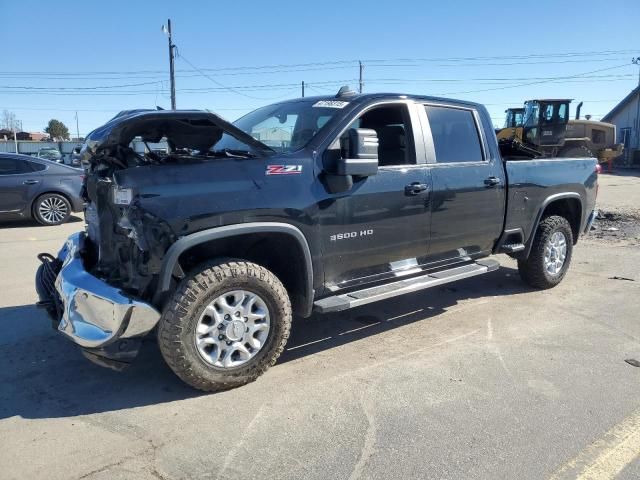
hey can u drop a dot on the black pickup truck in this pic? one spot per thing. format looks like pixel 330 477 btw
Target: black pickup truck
pixel 314 204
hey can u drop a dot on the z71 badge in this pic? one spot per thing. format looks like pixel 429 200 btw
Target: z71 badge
pixel 283 169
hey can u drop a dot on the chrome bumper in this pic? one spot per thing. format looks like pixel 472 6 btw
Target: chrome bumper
pixel 590 220
pixel 95 314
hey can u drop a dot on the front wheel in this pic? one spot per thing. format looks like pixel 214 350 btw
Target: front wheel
pixel 227 323
pixel 550 254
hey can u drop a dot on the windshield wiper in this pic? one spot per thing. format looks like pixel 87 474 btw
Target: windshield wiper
pixel 232 153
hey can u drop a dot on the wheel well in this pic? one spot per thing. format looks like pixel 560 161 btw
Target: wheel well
pixel 569 208
pixel 33 203
pixel 280 253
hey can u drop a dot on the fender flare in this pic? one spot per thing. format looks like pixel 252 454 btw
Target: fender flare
pixel 170 259
pixel 550 199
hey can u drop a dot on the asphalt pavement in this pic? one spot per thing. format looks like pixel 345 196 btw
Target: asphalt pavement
pixel 484 379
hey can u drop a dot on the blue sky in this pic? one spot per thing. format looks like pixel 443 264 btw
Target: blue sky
pixel 102 57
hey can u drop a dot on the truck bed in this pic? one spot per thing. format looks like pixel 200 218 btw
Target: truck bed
pixel 535 183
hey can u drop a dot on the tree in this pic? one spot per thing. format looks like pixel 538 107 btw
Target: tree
pixel 57 129
pixel 9 121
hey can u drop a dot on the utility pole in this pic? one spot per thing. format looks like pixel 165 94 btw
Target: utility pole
pixel 77 128
pixel 303 89
pixel 636 61
pixel 361 79
pixel 172 75
pixel 15 135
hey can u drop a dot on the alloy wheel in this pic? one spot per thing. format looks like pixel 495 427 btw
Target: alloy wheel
pixel 232 329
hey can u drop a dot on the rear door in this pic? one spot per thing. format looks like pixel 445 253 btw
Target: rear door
pixel 468 197
pixel 15 184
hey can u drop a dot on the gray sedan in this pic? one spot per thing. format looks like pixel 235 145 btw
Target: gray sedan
pixel 40 189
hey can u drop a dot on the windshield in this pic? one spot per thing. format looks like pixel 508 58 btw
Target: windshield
pixel 514 118
pixel 285 127
pixel 50 153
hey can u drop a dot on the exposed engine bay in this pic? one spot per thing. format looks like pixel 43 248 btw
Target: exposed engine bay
pixel 127 241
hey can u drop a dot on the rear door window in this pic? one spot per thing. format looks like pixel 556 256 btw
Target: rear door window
pixel 35 167
pixel 13 166
pixel 455 134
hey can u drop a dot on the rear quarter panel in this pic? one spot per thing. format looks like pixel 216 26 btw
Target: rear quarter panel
pixel 532 183
pixel 64 180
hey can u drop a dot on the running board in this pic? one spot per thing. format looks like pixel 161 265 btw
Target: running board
pixel 345 301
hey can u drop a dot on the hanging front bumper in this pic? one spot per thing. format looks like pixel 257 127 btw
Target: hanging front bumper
pixel 89 311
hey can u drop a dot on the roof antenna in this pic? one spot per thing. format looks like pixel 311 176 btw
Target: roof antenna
pixel 345 91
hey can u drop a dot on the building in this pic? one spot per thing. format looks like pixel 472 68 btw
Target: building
pixel 625 116
pixel 39 136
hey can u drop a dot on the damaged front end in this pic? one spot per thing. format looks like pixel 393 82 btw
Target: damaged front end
pixel 107 323
pixel 126 242
pixel 100 288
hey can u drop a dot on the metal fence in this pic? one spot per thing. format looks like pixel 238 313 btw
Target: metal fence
pixel 30 147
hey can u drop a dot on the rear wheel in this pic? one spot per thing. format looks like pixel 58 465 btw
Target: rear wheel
pixel 227 323
pixel 550 254
pixel 52 209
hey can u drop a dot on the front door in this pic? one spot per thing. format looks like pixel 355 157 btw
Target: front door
pixel 380 228
pixel 14 184
pixel 468 198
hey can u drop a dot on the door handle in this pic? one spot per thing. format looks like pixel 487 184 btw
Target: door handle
pixel 492 181
pixel 30 182
pixel 415 188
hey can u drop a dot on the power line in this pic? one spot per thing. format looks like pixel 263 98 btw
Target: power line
pixel 231 89
pixel 80 88
pixel 535 83
pixel 158 77
pixel 275 86
pixel 464 60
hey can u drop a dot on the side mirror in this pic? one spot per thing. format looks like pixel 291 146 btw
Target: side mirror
pixel 362 154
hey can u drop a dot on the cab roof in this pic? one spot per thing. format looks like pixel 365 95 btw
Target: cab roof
pixel 358 98
pixel 550 100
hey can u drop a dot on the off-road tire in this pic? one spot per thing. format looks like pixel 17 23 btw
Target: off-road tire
pixel 180 316
pixel 53 199
pixel 579 151
pixel 532 269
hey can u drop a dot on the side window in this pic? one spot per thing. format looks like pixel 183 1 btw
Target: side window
pixel 562 113
pixel 455 135
pixel 12 166
pixel 547 114
pixel 35 167
pixel 395 137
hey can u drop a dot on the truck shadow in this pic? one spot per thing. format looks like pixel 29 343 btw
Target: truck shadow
pixel 27 223
pixel 42 375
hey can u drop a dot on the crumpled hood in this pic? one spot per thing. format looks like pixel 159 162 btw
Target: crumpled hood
pixel 192 129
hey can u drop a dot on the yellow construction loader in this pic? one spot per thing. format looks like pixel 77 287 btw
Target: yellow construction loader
pixel 543 129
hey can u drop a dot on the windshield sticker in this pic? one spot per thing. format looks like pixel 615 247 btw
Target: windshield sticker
pixel 331 104
pixel 283 169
